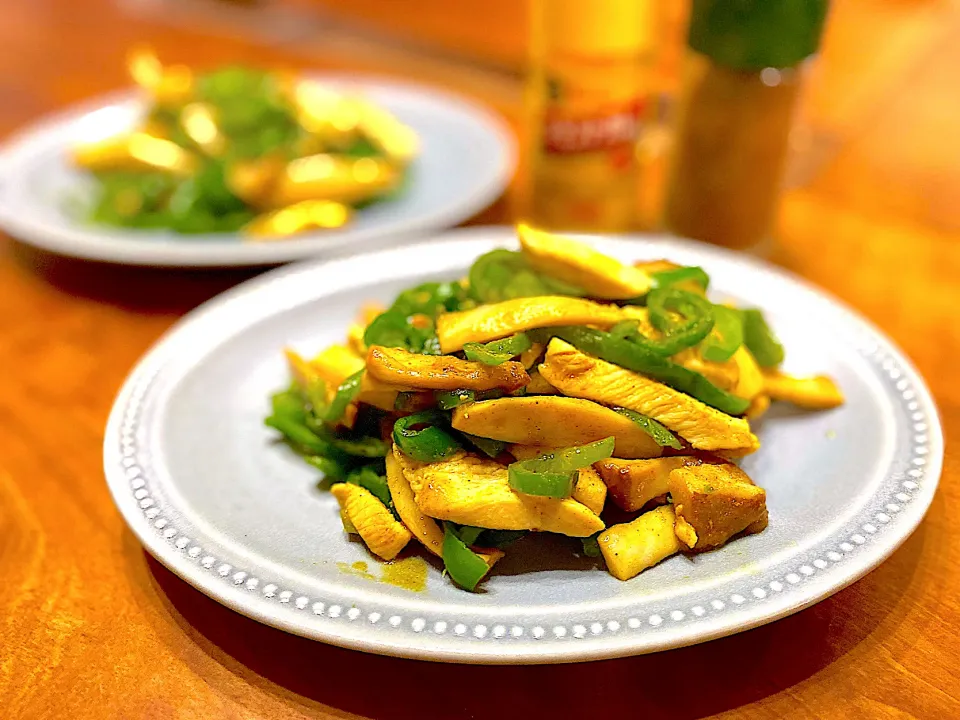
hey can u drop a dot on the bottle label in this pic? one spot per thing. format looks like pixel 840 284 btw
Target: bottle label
pixel 606 128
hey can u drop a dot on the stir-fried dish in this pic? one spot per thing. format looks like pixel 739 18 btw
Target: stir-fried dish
pixel 531 396
pixel 239 149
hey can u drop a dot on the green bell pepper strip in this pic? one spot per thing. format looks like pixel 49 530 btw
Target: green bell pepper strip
pixel 365 447
pixel 499 538
pixel 388 329
pixel 330 468
pixel 429 444
pixel 679 335
pixel 633 357
pixel 315 397
pixel 498 351
pixel 346 393
pixel 625 329
pixel 449 399
pixel 289 404
pixel 430 299
pixel 664 278
pixel 726 336
pixel 591 545
pixel 469 534
pixel 321 448
pixel 760 340
pixel 661 436
pixel 395 329
pixel 367 478
pixel 465 567
pixel 505 274
pixel 493 394
pixel 488 446
pixel 300 435
pixel 553 475
pixel 664 347
pixel 324 456
pixel 579 456
pixel 542 483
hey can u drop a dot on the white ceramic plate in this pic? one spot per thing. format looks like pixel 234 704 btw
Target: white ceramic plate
pixel 467 160
pixel 210 493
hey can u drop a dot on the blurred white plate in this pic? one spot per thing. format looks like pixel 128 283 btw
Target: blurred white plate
pixel 212 494
pixel 468 157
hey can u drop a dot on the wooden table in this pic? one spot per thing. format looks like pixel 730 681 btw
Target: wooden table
pixel 94 628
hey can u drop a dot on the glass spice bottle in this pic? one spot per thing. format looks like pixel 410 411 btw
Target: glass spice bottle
pixel 742 76
pixel 588 85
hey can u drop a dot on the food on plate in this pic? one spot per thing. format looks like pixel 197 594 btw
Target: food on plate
pixel 715 502
pixel 553 421
pixel 634 483
pixel 476 491
pixel 442 372
pixel 528 397
pixel 503 319
pixel 630 548
pixel 577 374
pixel 268 154
pixel 368 517
pixel 597 274
pixel 816 393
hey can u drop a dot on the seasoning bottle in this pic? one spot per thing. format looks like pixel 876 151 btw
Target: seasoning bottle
pixel 589 77
pixel 742 75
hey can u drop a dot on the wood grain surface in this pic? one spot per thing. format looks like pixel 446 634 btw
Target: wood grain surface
pixel 91 627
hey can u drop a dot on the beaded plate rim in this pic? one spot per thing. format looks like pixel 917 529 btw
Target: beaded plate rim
pixel 825 568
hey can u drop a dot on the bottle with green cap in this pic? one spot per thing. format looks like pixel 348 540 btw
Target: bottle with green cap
pixel 746 60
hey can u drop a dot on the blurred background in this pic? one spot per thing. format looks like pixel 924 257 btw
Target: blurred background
pixel 874 130
pixel 866 125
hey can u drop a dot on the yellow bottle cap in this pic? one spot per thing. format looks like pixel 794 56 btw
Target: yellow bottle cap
pixel 597 27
